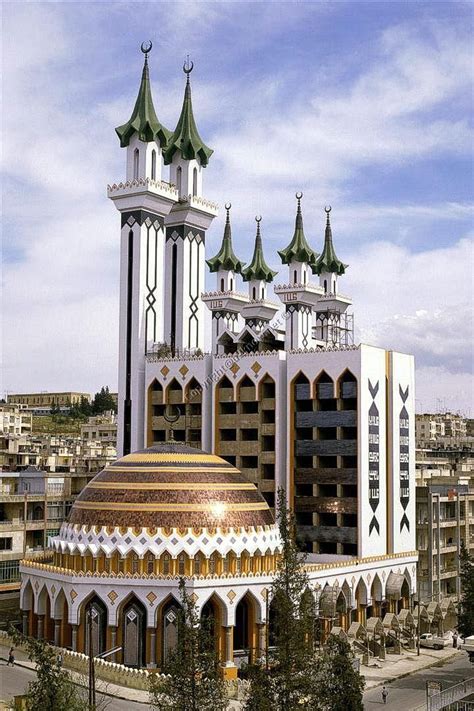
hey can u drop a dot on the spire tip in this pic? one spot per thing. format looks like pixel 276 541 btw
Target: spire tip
pixel 146 48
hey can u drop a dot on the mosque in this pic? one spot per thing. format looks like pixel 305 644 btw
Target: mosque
pixel 282 398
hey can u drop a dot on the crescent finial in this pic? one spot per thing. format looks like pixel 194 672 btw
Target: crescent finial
pixel 258 219
pixel 299 196
pixel 188 66
pixel 327 209
pixel 228 205
pixel 170 418
pixel 146 48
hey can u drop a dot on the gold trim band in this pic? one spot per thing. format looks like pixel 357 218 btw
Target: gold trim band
pixel 164 457
pixel 173 470
pixel 179 486
pixel 125 506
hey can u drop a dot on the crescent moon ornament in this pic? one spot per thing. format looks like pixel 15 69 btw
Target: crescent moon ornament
pixel 170 418
pixel 327 209
pixel 188 67
pixel 299 196
pixel 228 205
pixel 258 218
pixel 146 47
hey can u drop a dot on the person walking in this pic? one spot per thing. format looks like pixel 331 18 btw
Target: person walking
pixel 11 657
pixel 455 640
pixel 384 694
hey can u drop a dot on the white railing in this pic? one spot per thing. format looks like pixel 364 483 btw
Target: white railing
pixel 451 695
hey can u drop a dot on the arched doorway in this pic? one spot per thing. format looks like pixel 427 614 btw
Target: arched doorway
pixel 134 633
pixel 245 642
pixel 169 626
pixel 95 626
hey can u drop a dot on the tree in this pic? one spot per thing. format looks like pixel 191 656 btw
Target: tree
pixel 193 682
pixel 466 602
pixel 103 401
pixel 339 685
pixel 53 689
pixel 290 683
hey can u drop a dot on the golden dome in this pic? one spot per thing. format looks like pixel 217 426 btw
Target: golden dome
pixel 170 486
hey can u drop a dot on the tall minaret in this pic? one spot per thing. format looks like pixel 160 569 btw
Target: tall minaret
pixel 299 295
pixel 331 323
pixel 186 226
pixel 225 302
pixel 258 312
pixel 143 201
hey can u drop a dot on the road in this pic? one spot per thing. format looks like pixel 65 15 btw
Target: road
pixel 409 693
pixel 14 680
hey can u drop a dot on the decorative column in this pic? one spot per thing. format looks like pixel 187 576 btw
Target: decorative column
pixel 40 626
pixel 25 623
pixel 113 641
pixel 74 638
pixel 152 663
pixel 57 633
pixel 262 637
pixel 230 670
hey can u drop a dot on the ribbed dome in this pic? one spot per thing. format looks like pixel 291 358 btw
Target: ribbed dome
pixel 170 486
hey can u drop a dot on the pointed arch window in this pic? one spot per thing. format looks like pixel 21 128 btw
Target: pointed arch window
pixel 222 284
pixel 150 564
pixel 263 292
pixel 254 293
pixel 231 284
pixel 153 164
pixel 304 276
pixel 136 159
pixel 195 181
pixel 181 564
pixel 197 564
pixel 295 277
pixel 325 286
pixel 166 564
pixel 179 179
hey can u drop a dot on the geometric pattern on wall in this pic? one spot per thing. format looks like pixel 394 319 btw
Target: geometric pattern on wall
pixel 374 458
pixel 404 423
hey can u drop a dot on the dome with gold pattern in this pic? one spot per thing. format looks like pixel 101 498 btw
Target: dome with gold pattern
pixel 170 486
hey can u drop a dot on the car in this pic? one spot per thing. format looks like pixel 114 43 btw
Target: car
pixel 431 641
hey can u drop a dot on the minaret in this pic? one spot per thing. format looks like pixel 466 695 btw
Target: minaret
pixel 258 312
pixel 143 201
pixel 299 295
pixel 186 226
pixel 333 326
pixel 226 302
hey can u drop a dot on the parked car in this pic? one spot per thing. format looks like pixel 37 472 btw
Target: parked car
pixel 431 641
pixel 468 645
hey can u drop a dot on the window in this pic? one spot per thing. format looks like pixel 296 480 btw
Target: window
pixel 134 563
pixel 325 286
pixel 6 544
pixel 166 564
pixel 254 293
pixel 231 284
pixel 181 564
pixel 222 284
pixel 153 164
pixel 150 564
pixel 9 571
pixel 136 157
pixel 179 177
pixel 212 565
pixel 195 181
pixel 197 565
pixel 295 276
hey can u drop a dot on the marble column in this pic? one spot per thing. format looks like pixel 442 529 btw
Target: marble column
pixel 262 639
pixel 57 633
pixel 113 642
pixel 74 638
pixel 229 645
pixel 152 663
pixel 40 626
pixel 25 621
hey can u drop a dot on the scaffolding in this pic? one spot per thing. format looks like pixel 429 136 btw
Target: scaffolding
pixel 334 328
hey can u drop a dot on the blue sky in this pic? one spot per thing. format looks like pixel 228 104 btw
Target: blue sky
pixel 366 106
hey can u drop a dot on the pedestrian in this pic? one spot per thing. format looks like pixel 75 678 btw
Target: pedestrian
pixel 59 660
pixel 384 694
pixel 11 657
pixel 455 640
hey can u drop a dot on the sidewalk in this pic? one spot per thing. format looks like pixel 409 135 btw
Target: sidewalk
pixel 396 666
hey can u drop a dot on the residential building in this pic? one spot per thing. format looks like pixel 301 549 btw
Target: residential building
pixel 41 403
pixel 15 420
pixel 101 428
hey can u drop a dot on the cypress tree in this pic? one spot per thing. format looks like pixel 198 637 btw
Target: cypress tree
pixel 338 684
pixel 466 602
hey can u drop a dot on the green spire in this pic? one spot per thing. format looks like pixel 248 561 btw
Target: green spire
pixel 143 119
pixel 225 258
pixel 258 268
pixel 328 261
pixel 186 138
pixel 299 249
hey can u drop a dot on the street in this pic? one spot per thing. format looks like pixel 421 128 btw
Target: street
pixel 409 693
pixel 14 680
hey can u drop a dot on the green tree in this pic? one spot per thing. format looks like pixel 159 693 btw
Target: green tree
pixel 194 682
pixel 85 407
pixel 103 401
pixel 466 602
pixel 53 689
pixel 338 684
pixel 290 683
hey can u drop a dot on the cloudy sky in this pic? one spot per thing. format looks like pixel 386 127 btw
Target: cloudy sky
pixel 365 106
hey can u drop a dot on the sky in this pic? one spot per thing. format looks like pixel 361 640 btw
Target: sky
pixel 366 106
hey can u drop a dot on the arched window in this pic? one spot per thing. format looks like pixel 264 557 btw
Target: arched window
pixel 254 293
pixel 334 287
pixel 325 286
pixel 150 564
pixel 136 158
pixel 153 164
pixel 295 276
pixel 195 181
pixel 181 564
pixel 225 564
pixel 179 179
pixel 197 564
pixel 231 284
pixel 166 564
pixel 304 277
pixel 263 292
pixel 222 284
pixel 212 565
pixel 134 563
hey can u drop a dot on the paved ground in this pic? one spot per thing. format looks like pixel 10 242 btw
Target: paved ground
pixel 409 693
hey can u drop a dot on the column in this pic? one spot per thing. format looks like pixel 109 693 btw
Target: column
pixel 152 663
pixel 57 633
pixel 262 639
pixel 113 641
pixel 25 629
pixel 40 626
pixel 74 638
pixel 230 670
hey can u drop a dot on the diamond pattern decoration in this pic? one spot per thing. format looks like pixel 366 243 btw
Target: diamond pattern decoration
pixel 174 541
pixel 194 597
pixel 112 595
pixel 235 368
pixel 263 593
pixel 190 541
pixel 73 595
pixel 184 370
pixel 219 541
pixel 256 367
pixel 143 541
pixel 128 540
pixel 53 591
pixel 171 617
pixel 36 585
pixel 114 539
pixel 131 615
pixel 158 541
pixel 101 539
pixel 205 541
pixel 231 595
pixel 164 370
pixel 151 597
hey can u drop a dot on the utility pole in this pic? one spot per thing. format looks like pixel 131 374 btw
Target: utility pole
pixel 91 662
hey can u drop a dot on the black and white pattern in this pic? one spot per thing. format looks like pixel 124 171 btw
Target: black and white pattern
pixel 404 424
pixel 374 458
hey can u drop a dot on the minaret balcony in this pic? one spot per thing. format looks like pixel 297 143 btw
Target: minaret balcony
pixel 333 302
pixel 260 309
pixel 143 193
pixel 307 294
pixel 193 210
pixel 224 300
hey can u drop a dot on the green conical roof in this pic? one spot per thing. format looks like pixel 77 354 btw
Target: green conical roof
pixel 186 138
pixel 225 258
pixel 143 119
pixel 328 261
pixel 299 250
pixel 258 268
